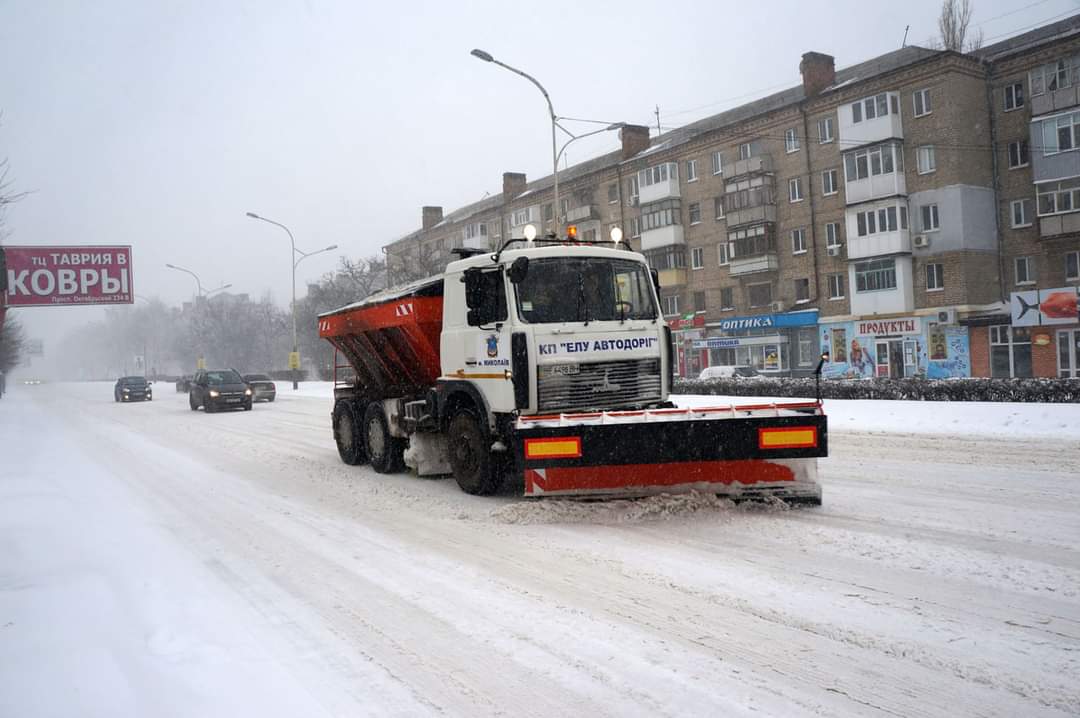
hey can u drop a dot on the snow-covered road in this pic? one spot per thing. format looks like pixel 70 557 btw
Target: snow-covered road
pixel 155 561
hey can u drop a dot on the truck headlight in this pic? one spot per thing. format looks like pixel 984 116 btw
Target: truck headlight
pixel 214 393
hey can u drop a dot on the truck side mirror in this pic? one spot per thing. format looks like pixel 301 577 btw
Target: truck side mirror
pixel 655 280
pixel 518 270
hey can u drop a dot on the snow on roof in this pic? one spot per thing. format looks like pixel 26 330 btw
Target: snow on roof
pixel 386 295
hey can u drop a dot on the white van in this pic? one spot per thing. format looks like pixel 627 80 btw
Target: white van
pixel 727 372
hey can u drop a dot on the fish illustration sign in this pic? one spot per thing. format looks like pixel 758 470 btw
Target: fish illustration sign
pixel 1040 307
pixel 66 276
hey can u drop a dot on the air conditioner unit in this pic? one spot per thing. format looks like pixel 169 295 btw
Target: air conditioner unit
pixel 946 316
pixel 777 306
pixel 921 240
pixel 835 250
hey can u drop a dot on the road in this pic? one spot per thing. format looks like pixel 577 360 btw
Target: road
pixel 941 577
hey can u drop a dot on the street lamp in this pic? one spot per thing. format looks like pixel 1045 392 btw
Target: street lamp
pixel 295 261
pixel 486 57
pixel 198 283
pixel 222 288
pixel 573 138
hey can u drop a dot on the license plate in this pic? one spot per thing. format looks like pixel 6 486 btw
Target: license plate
pixel 233 401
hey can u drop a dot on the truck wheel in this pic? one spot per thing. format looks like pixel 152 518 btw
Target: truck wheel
pixel 347 436
pixel 470 456
pixel 386 454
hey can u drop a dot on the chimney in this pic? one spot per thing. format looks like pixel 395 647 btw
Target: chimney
pixel 818 72
pixel 431 216
pixel 635 138
pixel 513 185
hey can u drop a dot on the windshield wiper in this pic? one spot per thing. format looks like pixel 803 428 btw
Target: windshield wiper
pixel 582 302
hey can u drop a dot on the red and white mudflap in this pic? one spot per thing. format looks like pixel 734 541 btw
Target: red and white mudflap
pixel 738 451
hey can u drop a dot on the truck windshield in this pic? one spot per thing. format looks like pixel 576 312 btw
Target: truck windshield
pixel 587 289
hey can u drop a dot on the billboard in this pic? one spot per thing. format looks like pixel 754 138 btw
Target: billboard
pixel 1039 307
pixel 66 276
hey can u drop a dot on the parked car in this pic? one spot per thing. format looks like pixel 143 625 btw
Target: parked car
pixel 263 386
pixel 218 389
pixel 183 384
pixel 728 372
pixel 133 388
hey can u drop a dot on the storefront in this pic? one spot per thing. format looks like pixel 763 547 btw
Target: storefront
pixel 777 344
pixel 896 347
pixel 1039 338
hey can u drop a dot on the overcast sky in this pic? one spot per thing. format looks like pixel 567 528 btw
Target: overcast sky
pixel 159 124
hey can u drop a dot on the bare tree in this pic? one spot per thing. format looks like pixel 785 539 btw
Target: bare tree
pixel 12 344
pixel 953 24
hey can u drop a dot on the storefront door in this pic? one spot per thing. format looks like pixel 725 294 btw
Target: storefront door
pixel 1069 353
pixel 890 358
pixel 911 357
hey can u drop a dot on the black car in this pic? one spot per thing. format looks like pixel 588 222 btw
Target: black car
pixel 262 385
pixel 218 389
pixel 132 388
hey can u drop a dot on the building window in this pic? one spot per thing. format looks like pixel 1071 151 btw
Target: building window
pixel 1010 351
pixel 1058 197
pixel 935 277
pixel 660 173
pixel 798 241
pixel 929 214
pixel 547 212
pixel 1014 96
pixel 718 207
pixel 879 220
pixel 746 151
pixel 612 193
pixel 1072 266
pixel 717 163
pixel 1055 76
pixel 828 182
pixel 751 242
pixel 825 130
pixel 927 162
pixel 836 286
pixel 760 295
pixel 1020 211
pixel 564 206
pixel 635 227
pixel 1025 270
pixel 920 100
pixel 670 304
pixel 791 141
pixel 634 192
pixel 727 298
pixel 475 230
pixel 697 258
pixel 802 290
pixel 795 189
pixel 875 276
pixel 1061 134
pixel 699 301
pixel 661 214
pixel 871 107
pixel 880 160
pixel 722 254
pixel 832 234
pixel 695 212
pixel 672 256
pixel 748 193
pixel 1018 154
pixel 691 170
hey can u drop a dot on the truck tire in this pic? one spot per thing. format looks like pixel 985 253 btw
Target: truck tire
pixel 347 436
pixel 470 455
pixel 386 454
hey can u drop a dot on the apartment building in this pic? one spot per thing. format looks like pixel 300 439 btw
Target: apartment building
pixel 899 214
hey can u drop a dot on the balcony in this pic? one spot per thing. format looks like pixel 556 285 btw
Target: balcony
pixel 478 242
pixel 752 265
pixel 672 277
pixel 875 187
pixel 658 183
pixel 882 244
pixel 753 165
pixel 662 237
pixel 1058 224
pixel 878 119
pixel 1055 101
pixel 751 215
pixel 581 214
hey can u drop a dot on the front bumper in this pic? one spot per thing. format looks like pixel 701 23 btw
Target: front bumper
pixel 741 454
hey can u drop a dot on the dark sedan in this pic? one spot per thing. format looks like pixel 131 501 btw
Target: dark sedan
pixel 219 389
pixel 132 388
pixel 262 385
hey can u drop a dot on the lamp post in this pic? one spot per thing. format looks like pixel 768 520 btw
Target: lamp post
pixel 486 57
pixel 573 138
pixel 295 261
pixel 198 282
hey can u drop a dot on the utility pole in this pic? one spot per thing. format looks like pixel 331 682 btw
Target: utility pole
pixel 658 119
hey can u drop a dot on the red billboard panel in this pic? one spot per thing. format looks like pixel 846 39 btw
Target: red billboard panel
pixel 66 276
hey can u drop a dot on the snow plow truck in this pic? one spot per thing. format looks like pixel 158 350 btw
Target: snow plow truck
pixel 545 368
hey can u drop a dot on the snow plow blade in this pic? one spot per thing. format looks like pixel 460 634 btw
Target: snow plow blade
pixel 741 452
